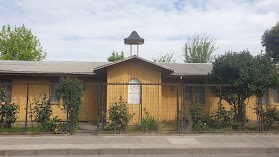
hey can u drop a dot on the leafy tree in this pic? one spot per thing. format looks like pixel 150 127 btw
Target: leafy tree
pixel 270 39
pixel 115 56
pixel 71 90
pixel 246 74
pixel 199 49
pixel 167 58
pixel 20 44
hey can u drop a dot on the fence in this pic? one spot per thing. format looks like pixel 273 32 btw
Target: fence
pixel 171 108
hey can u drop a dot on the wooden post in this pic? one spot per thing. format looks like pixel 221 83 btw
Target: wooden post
pixel 130 50
pixel 137 49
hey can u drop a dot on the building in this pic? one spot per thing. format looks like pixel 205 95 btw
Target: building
pixel 160 93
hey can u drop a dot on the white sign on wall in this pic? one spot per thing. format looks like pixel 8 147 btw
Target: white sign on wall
pixel 134 92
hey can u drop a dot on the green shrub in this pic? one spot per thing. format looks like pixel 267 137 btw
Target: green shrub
pixel 202 121
pixel 42 111
pixel 8 111
pixel 149 123
pixel 270 115
pixel 224 118
pixel 118 115
pixel 67 87
pixel 55 125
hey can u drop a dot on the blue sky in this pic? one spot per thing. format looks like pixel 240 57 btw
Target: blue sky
pixel 89 30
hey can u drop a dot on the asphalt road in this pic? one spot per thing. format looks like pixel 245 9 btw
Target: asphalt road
pixel 165 155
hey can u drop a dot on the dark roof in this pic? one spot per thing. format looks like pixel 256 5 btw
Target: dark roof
pixel 134 39
pixel 169 70
pixel 49 67
pixel 87 68
pixel 190 69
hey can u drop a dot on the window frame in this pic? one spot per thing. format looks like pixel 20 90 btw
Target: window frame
pixel 8 86
pixel 191 94
pixel 53 100
pixel 275 95
pixel 201 95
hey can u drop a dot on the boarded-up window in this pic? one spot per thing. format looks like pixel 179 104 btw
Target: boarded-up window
pixel 276 95
pixel 53 98
pixel 7 86
pixel 188 94
pixel 199 95
pixel 134 91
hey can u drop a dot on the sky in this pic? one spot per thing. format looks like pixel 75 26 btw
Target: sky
pixel 90 30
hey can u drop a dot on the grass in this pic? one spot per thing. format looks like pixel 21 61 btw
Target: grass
pixel 19 130
pixel 165 127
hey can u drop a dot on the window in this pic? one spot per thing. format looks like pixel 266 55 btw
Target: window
pixel 53 98
pixel 188 94
pixel 265 99
pixel 194 93
pixel 276 95
pixel 199 95
pixel 6 84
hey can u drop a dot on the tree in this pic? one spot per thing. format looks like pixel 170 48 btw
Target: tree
pixel 199 49
pixel 115 56
pixel 20 44
pixel 246 75
pixel 164 59
pixel 71 89
pixel 270 39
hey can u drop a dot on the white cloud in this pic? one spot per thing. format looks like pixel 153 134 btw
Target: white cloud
pixel 90 30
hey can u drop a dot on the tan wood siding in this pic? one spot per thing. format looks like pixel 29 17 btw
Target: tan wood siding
pixel 19 97
pixel 145 73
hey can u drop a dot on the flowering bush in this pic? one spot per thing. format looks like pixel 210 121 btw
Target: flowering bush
pixel 7 111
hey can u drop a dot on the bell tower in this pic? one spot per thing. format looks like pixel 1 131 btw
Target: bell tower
pixel 134 39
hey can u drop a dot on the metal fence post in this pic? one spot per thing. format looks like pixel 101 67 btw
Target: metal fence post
pixel 103 97
pixel 26 115
pixel 71 113
pixel 98 109
pixel 67 108
pixel 262 129
pixel 177 86
pixel 220 105
pixel 140 107
pixel 182 113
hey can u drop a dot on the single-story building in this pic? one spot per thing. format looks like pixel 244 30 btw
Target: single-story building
pixel 159 95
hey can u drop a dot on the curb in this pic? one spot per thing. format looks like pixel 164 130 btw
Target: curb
pixel 80 151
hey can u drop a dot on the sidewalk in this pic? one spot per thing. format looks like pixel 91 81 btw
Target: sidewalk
pixel 134 144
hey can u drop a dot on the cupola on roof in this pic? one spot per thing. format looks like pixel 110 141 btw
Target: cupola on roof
pixel 134 39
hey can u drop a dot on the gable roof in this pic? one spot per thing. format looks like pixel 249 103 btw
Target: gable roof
pixel 88 68
pixel 190 69
pixel 49 67
pixel 163 67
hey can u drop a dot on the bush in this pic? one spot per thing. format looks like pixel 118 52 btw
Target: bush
pixel 202 121
pixel 8 111
pixel 118 115
pixel 149 123
pixel 55 125
pixel 270 115
pixel 224 118
pixel 67 87
pixel 42 111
